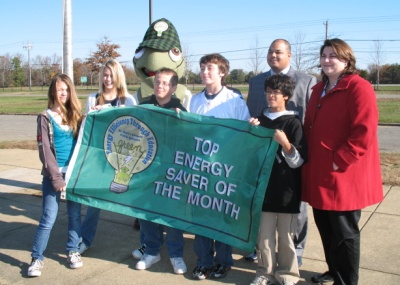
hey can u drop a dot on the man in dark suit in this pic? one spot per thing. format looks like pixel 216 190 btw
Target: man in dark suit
pixel 278 58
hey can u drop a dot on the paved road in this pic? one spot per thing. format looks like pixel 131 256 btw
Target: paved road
pixel 389 138
pixel 17 127
pixel 23 127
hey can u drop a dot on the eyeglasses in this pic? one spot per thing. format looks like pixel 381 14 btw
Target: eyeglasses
pixel 273 93
pixel 163 84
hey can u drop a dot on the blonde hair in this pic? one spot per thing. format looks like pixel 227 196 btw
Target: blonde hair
pixel 72 109
pixel 118 75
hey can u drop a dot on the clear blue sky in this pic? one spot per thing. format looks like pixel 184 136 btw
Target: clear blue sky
pixel 228 27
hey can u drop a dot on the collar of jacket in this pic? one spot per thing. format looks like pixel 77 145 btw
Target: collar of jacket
pixel 341 85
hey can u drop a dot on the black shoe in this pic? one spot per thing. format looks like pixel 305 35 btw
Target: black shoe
pixel 323 278
pixel 136 224
pixel 220 271
pixel 202 272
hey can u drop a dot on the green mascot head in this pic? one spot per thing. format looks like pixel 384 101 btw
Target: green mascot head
pixel 160 48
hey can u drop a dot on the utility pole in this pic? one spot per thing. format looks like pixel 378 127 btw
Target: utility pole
pixel 150 12
pixel 326 29
pixel 67 40
pixel 28 47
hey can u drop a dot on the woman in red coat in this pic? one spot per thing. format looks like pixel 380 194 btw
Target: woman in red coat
pixel 343 172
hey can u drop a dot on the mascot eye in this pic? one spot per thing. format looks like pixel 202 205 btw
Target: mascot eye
pixel 175 54
pixel 139 52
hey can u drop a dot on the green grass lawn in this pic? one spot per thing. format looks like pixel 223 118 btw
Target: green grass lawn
pixel 33 102
pixel 389 110
pixel 26 105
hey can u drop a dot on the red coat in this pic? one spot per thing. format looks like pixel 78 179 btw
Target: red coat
pixel 341 127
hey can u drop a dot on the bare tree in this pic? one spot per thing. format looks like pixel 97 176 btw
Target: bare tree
pixel 5 69
pixel 37 73
pixel 130 74
pixel 44 68
pixel 188 62
pixel 298 50
pixel 257 57
pixel 377 58
pixel 80 70
pixel 304 56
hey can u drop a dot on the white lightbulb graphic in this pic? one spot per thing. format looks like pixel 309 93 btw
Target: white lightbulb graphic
pixel 130 147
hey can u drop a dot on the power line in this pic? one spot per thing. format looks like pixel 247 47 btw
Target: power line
pixel 299 24
pixel 294 44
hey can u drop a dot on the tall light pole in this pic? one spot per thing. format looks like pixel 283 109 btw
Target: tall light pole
pixel 67 40
pixel 28 47
pixel 150 12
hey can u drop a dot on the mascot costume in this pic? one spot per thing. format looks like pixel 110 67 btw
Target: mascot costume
pixel 160 48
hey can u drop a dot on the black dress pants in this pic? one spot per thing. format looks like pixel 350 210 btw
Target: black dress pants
pixel 340 237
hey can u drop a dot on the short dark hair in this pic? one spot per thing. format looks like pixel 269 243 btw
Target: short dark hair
pixel 281 82
pixel 169 71
pixel 287 44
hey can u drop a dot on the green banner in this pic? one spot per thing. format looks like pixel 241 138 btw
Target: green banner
pixel 200 174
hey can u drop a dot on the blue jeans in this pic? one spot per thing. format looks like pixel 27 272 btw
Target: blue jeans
pixel 51 200
pixel 74 226
pixel 300 236
pixel 141 234
pixel 204 249
pixel 89 225
pixel 152 235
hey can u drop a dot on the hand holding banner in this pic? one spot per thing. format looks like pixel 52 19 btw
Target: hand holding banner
pixel 200 174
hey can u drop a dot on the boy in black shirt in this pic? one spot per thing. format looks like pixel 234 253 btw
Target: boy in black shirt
pixel 282 198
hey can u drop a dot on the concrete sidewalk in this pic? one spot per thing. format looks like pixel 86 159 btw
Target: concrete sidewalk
pixel 109 261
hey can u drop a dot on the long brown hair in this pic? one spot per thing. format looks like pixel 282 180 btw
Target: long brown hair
pixel 343 52
pixel 119 81
pixel 72 109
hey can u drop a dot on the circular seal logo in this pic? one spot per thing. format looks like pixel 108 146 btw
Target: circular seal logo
pixel 130 147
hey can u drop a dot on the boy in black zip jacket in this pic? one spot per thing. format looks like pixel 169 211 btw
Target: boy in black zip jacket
pixel 151 234
pixel 282 198
pixel 164 90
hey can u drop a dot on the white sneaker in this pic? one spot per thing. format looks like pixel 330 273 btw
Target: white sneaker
pixel 74 260
pixel 147 260
pixel 261 280
pixel 138 253
pixel 35 269
pixel 178 264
